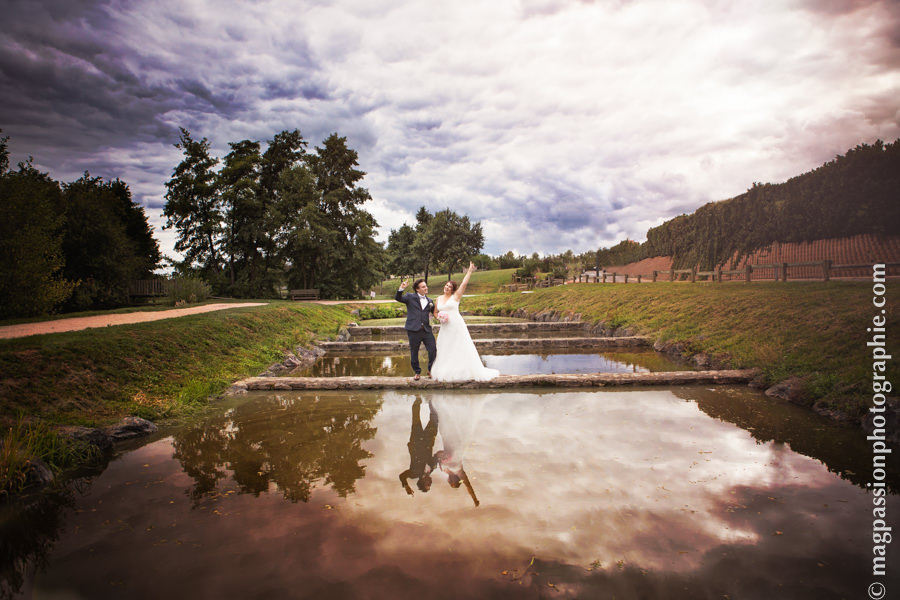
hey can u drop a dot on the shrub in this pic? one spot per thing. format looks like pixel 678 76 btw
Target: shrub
pixel 382 311
pixel 188 290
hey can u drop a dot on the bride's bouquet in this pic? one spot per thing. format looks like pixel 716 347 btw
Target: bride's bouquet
pixel 443 317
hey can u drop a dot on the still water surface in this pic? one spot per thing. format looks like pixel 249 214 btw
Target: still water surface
pixel 681 493
pixel 637 360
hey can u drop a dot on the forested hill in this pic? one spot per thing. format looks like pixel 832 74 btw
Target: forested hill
pixel 857 193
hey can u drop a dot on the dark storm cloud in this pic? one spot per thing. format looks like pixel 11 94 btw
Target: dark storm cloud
pixel 558 125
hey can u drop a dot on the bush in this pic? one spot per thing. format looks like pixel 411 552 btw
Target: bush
pixel 188 290
pixel 382 311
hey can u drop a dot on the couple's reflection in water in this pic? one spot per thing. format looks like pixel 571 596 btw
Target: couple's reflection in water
pixel 455 417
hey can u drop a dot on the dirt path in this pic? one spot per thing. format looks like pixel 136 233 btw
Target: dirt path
pixel 79 323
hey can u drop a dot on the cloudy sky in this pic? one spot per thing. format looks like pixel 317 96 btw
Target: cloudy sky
pixel 557 124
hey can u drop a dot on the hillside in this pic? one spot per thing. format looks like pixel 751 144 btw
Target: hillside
pixel 864 249
pixel 850 196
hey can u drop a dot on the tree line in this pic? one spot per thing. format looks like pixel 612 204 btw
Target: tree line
pixel 289 217
pixel 853 194
pixel 68 246
pixel 248 225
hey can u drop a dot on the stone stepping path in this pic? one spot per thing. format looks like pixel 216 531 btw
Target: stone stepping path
pixel 362 342
pixel 729 377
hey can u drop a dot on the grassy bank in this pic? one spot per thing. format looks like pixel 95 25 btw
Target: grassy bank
pixel 813 330
pixel 155 370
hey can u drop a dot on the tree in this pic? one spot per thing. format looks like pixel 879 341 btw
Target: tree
pixel 354 262
pixel 422 246
pixel 107 242
pixel 31 258
pixel 285 151
pixel 452 239
pixel 4 154
pixel 192 206
pixel 307 233
pixel 239 192
pixel 401 259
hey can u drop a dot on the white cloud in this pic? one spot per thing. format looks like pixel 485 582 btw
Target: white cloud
pixel 557 125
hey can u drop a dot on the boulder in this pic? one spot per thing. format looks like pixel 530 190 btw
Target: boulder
pixel 791 389
pixel 91 435
pixel 131 427
pixel 37 474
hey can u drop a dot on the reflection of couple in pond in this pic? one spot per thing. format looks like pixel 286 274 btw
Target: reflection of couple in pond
pixel 455 418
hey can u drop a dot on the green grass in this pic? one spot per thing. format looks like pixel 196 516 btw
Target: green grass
pixel 23 441
pixel 159 369
pixel 481 282
pixel 814 330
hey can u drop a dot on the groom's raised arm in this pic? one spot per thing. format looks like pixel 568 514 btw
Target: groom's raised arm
pixel 399 295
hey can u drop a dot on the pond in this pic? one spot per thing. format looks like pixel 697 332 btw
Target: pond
pixel 689 492
pixel 636 360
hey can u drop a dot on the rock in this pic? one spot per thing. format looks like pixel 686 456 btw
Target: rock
pixel 791 389
pixel 91 435
pixel 237 389
pixel 37 474
pixel 759 382
pixel 131 427
pixel 291 361
pixel 701 360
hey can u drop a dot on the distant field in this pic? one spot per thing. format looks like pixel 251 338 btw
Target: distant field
pixel 481 282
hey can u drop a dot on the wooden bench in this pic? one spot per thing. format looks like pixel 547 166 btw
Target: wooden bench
pixel 312 294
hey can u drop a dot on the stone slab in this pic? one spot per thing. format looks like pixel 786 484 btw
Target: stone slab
pixel 584 380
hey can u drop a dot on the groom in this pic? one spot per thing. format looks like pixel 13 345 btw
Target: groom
pixel 418 324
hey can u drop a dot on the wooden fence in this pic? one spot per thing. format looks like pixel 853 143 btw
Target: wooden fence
pixel 823 270
pixel 150 287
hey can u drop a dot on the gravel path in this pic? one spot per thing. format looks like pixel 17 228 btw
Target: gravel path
pixel 79 323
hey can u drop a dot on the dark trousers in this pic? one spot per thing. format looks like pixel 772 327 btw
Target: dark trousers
pixel 416 339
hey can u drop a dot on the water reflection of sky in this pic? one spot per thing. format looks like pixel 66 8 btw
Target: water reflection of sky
pixel 599 493
pixel 508 363
pixel 560 363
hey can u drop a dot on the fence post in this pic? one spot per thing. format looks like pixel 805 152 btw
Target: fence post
pixel 719 274
pixel 654 276
pixel 604 276
pixel 672 274
pixel 639 277
pixel 693 274
pixel 614 276
pixel 748 271
pixel 784 271
pixel 626 277
pixel 826 270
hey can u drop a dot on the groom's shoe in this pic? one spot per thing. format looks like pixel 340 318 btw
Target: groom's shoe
pixel 416 377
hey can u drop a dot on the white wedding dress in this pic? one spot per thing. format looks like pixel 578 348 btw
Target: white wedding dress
pixel 457 359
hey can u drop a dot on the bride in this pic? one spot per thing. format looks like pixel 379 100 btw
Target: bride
pixel 457 359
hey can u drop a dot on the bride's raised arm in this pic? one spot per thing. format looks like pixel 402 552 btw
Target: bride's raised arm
pixel 462 286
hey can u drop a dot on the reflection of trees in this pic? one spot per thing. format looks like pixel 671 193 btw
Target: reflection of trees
pixel 843 450
pixel 28 531
pixel 292 441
